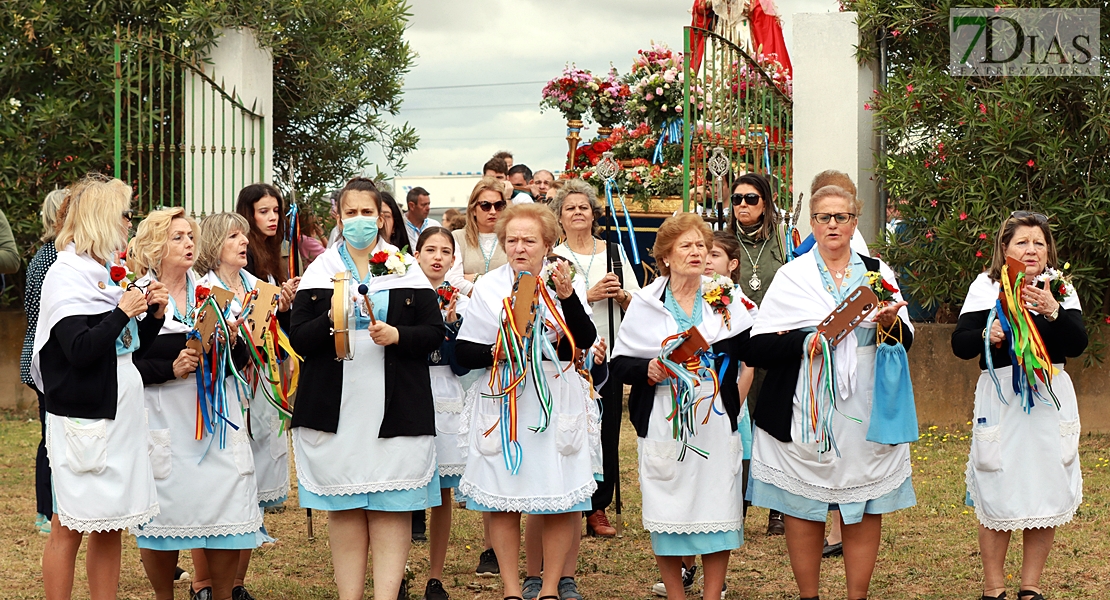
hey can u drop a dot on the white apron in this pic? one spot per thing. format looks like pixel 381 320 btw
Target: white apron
pixel 449 397
pixel 1013 453
pixel 203 490
pixel 101 467
pixel 864 471
pixel 270 446
pixel 555 473
pixel 695 495
pixel 354 460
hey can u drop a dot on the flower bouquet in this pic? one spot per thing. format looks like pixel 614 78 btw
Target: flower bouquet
pixel 885 291
pixel 1057 282
pixel 389 263
pixel 571 93
pixel 656 86
pixel 610 101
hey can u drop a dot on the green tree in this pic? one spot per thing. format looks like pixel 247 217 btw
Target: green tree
pixel 338 69
pixel 966 151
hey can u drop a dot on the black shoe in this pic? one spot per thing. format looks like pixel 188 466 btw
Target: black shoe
pixel 240 593
pixel 435 591
pixel 203 594
pixel 180 574
pixel 775 524
pixel 419 536
pixel 1030 594
pixel 688 578
pixel 403 591
pixel 831 550
pixel 487 564
pixel 1001 596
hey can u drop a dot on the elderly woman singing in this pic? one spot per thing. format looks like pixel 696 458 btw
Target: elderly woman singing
pixel 526 421
pixel 812 450
pixel 689 449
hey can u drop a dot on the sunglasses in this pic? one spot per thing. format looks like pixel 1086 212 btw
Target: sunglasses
pixel 499 205
pixel 127 214
pixel 749 198
pixel 841 218
pixel 1025 214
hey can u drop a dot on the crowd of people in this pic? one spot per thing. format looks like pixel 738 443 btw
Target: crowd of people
pixel 430 373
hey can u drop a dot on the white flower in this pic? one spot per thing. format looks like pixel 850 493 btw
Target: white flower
pixel 395 264
pixel 15 104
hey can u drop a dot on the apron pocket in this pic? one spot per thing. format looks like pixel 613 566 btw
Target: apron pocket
pixel 279 447
pixel 86 445
pixel 241 450
pixel 1069 441
pixel 986 448
pixel 736 452
pixel 161 456
pixel 658 459
pixel 570 434
pixel 314 437
pixel 488 445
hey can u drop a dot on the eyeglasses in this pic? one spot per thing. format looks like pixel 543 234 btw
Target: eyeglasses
pixel 749 198
pixel 841 218
pixel 1024 214
pixel 127 214
pixel 499 205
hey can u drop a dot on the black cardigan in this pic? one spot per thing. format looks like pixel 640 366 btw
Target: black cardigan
pixel 472 355
pixel 1064 338
pixel 633 371
pixel 409 409
pixel 78 363
pixel 781 354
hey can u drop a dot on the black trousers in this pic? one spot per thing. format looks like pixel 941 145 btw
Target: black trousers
pixel 612 409
pixel 44 498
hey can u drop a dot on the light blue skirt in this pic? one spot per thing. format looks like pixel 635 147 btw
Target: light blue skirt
pixel 690 544
pixel 769 496
pixel 584 506
pixel 390 501
pixel 240 541
pixel 277 502
pixel 450 481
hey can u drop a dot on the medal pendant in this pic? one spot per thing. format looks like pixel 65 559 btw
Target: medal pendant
pixel 126 338
pixel 754 282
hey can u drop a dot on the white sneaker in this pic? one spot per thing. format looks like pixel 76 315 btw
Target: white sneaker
pixel 660 590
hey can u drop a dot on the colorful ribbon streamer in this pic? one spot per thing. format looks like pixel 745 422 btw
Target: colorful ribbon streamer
pixel 609 185
pixel 669 131
pixel 685 383
pixel 1028 355
pixel 822 394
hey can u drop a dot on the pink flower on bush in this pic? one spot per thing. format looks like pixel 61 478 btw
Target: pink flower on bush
pixel 963 216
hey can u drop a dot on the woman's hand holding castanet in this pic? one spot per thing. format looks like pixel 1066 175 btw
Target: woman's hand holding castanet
pixel 1039 301
pixel 452 316
pixel 656 372
pixel 158 298
pixel 133 302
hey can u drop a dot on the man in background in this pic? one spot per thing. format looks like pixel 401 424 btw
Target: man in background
pixel 416 219
pixel 541 181
pixel 496 168
pixel 506 156
pixel 519 176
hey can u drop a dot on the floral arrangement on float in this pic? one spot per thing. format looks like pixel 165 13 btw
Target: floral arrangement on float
pixel 609 105
pixel 639 178
pixel 571 93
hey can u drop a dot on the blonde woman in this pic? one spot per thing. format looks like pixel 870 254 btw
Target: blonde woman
pixel 96 433
pixel 476 249
pixel 220 522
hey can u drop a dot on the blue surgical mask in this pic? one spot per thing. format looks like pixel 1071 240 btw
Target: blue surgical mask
pixel 360 231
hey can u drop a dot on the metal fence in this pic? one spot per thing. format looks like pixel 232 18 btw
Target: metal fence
pixel 738 120
pixel 180 138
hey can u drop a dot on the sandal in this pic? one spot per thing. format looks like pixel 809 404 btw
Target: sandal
pixel 1030 594
pixel 513 598
pixel 1001 596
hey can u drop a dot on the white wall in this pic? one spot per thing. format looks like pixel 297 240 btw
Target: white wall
pixel 239 66
pixel 831 128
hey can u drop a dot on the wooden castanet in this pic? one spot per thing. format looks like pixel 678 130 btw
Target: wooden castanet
pixel 693 344
pixel 207 320
pixel 848 315
pixel 261 307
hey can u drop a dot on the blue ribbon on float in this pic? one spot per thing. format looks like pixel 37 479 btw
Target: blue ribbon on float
pixel 609 185
pixel 766 151
pixel 669 131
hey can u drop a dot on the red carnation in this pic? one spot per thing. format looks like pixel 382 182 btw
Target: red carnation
pixel 725 300
pixel 747 304
pixel 379 258
pixel 889 288
pixel 117 273
pixel 202 293
pixel 1063 290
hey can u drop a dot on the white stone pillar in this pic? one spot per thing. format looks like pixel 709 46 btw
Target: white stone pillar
pixel 238 150
pixel 831 128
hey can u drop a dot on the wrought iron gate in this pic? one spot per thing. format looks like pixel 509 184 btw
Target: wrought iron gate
pixel 738 120
pixel 180 138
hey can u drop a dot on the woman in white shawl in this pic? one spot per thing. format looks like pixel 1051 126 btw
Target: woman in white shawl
pixel 1023 471
pixel 805 466
pixel 223 520
pixel 96 432
pixel 690 476
pixel 527 448
pixel 363 430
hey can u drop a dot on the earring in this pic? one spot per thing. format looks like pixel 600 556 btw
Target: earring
pixel 666 264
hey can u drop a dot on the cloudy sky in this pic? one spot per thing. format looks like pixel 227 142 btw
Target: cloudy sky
pixel 467 51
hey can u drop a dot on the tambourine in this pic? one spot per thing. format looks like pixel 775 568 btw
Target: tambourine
pixel 260 308
pixel 848 315
pixel 343 317
pixel 207 319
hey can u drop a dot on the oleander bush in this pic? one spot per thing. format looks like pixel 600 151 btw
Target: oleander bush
pixel 963 152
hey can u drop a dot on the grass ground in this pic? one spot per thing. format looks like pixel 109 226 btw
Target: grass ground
pixel 928 551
